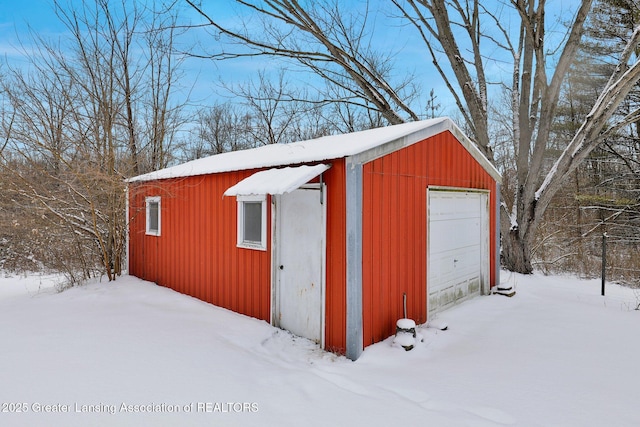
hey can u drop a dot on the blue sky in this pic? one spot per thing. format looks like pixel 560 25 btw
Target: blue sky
pixel 15 19
pixel 17 16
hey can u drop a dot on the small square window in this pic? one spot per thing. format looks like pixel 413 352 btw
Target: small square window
pixel 252 218
pixel 252 222
pixel 153 215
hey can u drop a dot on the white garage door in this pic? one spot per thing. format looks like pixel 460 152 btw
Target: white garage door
pixel 457 247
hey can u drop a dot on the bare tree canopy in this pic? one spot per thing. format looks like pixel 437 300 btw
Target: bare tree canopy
pixel 330 40
pixel 98 106
pixel 86 112
pixel 464 40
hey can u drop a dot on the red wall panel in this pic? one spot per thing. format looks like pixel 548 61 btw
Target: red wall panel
pixel 196 253
pixel 336 273
pixel 395 226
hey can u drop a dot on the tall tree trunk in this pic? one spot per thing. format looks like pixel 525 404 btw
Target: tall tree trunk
pixel 453 35
pixel 516 252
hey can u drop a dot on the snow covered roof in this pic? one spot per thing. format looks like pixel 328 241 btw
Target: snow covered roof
pixel 372 142
pixel 276 181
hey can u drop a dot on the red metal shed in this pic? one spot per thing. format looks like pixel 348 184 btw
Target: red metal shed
pixel 325 237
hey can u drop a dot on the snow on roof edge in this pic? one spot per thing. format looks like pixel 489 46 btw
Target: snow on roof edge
pixel 316 150
pixel 276 180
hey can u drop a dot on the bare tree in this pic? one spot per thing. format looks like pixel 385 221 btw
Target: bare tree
pixel 328 39
pixel 77 129
pixel 159 111
pixel 334 44
pixel 220 128
pixel 601 196
pixel 274 109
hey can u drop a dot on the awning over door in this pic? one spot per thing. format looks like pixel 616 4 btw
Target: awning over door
pixel 276 181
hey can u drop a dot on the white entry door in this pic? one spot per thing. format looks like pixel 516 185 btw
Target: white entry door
pixel 458 239
pixel 299 262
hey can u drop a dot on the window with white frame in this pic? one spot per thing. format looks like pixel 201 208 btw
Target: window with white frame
pixel 252 219
pixel 153 215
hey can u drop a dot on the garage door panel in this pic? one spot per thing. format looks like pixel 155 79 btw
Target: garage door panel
pixel 442 298
pixel 455 247
pixel 453 234
pixel 474 286
pixel 466 261
pixel 456 205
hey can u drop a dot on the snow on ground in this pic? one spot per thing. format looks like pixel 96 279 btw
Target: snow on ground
pixel 131 353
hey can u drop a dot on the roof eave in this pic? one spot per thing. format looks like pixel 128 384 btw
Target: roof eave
pixel 425 133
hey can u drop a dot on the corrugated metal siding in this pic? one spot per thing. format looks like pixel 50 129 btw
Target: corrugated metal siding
pixel 395 226
pixel 336 305
pixel 196 253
